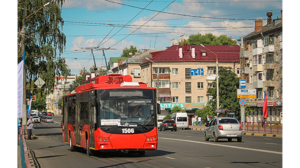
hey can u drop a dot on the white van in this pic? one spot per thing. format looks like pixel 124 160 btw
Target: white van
pixel 181 120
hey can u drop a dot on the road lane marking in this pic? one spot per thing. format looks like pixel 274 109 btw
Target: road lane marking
pixel 228 146
pixel 169 157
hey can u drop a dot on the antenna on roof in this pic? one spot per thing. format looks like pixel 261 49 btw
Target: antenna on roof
pixel 155 42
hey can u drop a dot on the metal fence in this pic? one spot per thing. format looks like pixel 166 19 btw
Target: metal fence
pixel 23 150
pixel 259 127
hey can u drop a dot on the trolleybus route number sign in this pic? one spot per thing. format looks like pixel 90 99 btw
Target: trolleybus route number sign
pixel 127 130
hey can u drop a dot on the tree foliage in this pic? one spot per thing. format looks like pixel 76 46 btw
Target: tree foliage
pixel 207 110
pixel 167 117
pixel 131 49
pixel 78 80
pixel 40 101
pixel 44 40
pixel 228 85
pixel 177 109
pixel 209 39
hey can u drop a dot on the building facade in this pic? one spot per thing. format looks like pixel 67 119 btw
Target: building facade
pixel 263 68
pixel 183 74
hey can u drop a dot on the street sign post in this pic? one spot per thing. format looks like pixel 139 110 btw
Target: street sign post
pixel 242 102
pixel 242 83
pixel 246 93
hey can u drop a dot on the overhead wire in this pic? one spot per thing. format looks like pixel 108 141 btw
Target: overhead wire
pixel 128 22
pixel 143 24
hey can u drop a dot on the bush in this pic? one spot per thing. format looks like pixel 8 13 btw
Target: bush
pixel 168 117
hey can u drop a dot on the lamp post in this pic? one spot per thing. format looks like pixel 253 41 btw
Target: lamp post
pixel 24 115
pixel 242 73
pixel 157 79
pixel 217 69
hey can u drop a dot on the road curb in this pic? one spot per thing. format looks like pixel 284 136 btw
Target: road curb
pixel 247 133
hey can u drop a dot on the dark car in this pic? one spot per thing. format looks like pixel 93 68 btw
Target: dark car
pixel 44 113
pixel 43 118
pixel 167 125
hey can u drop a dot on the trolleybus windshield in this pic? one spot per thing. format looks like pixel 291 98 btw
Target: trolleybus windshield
pixel 127 108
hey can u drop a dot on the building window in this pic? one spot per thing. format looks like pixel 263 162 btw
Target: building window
pixel 269 58
pixel 259 60
pixel 210 85
pixel 259 76
pixel 270 73
pixel 175 71
pixel 163 99
pixel 175 99
pixel 162 83
pixel 188 88
pixel 188 99
pixel 259 93
pixel 238 70
pixel 136 72
pixel 174 85
pixel 211 70
pixel 163 70
pixel 200 85
pixel 154 70
pixel 254 60
pixel 187 73
pixel 200 99
pixel 270 92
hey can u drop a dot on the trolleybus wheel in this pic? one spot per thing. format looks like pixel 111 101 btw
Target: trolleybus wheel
pixel 71 146
pixel 88 151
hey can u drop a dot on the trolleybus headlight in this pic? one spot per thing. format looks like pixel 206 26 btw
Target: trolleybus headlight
pixel 150 139
pixel 106 139
pixel 101 139
pixel 147 139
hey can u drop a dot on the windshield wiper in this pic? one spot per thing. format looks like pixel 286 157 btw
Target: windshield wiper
pixel 140 125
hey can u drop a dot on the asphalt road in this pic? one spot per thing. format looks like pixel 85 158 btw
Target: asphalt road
pixel 184 148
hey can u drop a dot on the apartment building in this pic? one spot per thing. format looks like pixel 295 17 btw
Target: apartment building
pixel 184 73
pixel 263 67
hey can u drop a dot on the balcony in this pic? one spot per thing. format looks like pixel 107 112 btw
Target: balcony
pixel 269 66
pixel 269 48
pixel 270 83
pixel 280 44
pixel 211 77
pixel 257 51
pixel 258 67
pixel 246 54
pixel 258 84
pixel 246 70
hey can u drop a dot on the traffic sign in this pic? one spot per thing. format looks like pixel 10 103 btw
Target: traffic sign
pixel 196 72
pixel 242 102
pixel 242 83
pixel 39 82
pixel 246 96
pixel 55 102
pixel 246 93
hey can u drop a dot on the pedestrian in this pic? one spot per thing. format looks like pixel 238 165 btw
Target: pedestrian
pixel 199 121
pixel 29 127
pixel 263 122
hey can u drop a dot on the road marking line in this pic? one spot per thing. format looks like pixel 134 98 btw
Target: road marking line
pixel 169 157
pixel 236 147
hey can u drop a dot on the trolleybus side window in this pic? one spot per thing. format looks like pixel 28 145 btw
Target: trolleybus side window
pixel 71 110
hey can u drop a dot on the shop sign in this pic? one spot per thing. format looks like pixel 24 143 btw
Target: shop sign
pixel 182 105
pixel 261 104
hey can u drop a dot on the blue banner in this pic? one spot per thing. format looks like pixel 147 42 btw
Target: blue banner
pixel 20 88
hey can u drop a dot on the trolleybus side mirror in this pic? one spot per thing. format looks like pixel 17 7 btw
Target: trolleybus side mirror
pixel 158 109
pixel 93 101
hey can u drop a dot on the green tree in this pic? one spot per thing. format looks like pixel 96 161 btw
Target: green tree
pixel 78 80
pixel 131 49
pixel 44 40
pixel 60 103
pixel 177 109
pixel 228 85
pixel 209 39
pixel 168 117
pixel 248 109
pixel 40 101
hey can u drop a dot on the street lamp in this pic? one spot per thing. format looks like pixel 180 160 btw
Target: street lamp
pixel 217 64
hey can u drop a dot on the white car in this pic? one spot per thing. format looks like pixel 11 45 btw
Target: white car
pixel 36 119
pixel 48 119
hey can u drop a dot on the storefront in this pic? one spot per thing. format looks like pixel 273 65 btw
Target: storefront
pixel 190 108
pixel 274 111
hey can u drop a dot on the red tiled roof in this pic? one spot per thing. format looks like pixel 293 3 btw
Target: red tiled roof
pixel 225 53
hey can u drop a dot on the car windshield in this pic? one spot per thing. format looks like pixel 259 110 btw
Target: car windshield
pixel 128 107
pixel 228 121
pixel 181 118
pixel 35 117
pixel 49 117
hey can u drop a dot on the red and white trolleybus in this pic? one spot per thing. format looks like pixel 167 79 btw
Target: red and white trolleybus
pixel 111 113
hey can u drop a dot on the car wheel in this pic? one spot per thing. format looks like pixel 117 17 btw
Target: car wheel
pixel 229 139
pixel 71 146
pixel 171 130
pixel 88 151
pixel 239 139
pixel 205 137
pixel 215 138
pixel 176 129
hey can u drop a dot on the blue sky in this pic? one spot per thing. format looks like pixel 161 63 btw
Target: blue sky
pixel 87 23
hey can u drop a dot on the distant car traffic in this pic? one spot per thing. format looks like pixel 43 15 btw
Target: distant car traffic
pixel 50 114
pixel 48 119
pixel 223 128
pixel 44 113
pixel 167 125
pixel 36 119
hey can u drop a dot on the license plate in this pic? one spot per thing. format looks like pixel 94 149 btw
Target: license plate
pixel 231 135
pixel 170 127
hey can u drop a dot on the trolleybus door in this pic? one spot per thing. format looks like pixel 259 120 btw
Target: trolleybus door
pixel 65 118
pixel 77 122
pixel 92 118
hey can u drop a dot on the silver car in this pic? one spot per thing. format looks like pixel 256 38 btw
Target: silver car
pixel 224 127
pixel 49 119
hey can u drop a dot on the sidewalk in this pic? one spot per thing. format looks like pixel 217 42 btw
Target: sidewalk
pixel 248 133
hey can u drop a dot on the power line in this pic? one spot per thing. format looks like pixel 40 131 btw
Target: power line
pixel 179 14
pixel 128 22
pixel 143 24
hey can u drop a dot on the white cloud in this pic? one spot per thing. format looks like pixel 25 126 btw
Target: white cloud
pixel 92 5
